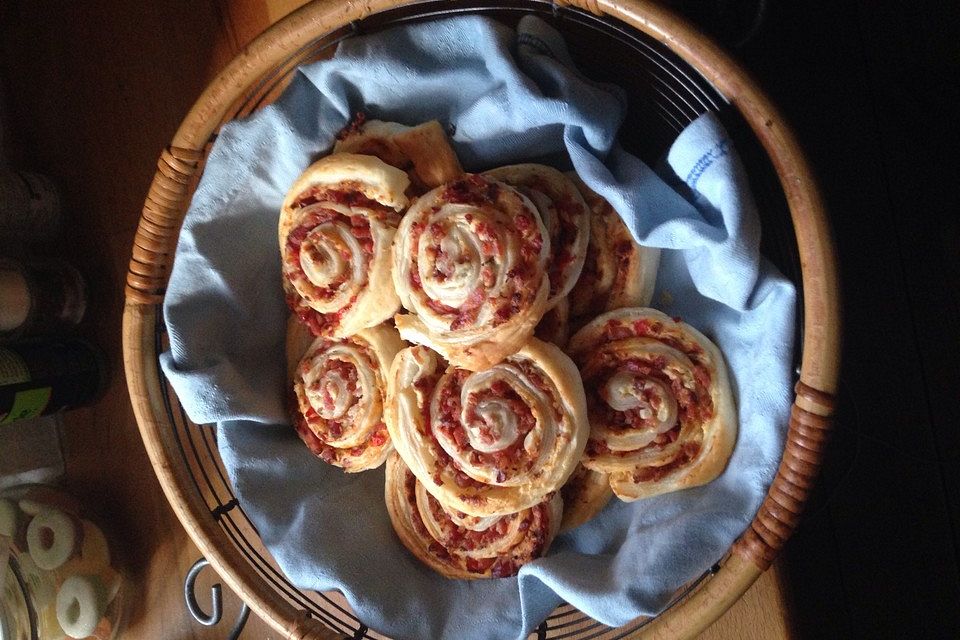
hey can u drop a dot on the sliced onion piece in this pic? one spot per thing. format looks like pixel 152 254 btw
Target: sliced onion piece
pixel 51 539
pixel 81 603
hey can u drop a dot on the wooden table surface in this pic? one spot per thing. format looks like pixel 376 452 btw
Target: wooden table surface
pixel 94 91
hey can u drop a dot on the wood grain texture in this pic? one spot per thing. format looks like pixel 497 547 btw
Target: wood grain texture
pixel 87 112
pixel 762 612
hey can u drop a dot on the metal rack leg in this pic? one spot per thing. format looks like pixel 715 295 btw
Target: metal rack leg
pixel 216 602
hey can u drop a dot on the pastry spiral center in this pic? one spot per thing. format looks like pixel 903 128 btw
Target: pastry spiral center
pixel 649 400
pixel 497 428
pixel 450 258
pixel 332 389
pixel 339 394
pixel 336 396
pixel 491 411
pixel 330 254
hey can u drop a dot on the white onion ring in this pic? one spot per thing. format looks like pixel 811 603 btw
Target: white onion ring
pixel 51 538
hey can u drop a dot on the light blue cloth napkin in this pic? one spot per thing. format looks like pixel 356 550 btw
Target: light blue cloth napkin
pixel 512 96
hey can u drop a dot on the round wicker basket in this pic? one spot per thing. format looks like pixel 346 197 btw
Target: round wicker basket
pixel 673 74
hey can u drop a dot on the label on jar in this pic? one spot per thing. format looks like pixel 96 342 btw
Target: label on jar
pixel 28 404
pixel 13 369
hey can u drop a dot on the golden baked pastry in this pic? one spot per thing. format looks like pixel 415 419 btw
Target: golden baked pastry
pixel 492 442
pixel 461 546
pixel 565 215
pixel 423 151
pixel 338 394
pixel 662 414
pixel 336 226
pixel 617 272
pixel 584 495
pixel 469 264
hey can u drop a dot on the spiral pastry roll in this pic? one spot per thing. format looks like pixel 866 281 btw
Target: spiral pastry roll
pixel 423 151
pixel 489 443
pixel 336 227
pixel 469 263
pixel 617 272
pixel 662 414
pixel 565 215
pixel 338 388
pixel 461 546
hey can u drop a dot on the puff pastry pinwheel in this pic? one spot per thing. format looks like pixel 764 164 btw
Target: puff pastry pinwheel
pixel 565 215
pixel 469 264
pixel 662 414
pixel 338 396
pixel 423 151
pixel 461 546
pixel 617 272
pixel 336 226
pixel 493 442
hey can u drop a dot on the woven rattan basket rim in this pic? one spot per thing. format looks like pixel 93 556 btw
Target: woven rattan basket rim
pixel 810 418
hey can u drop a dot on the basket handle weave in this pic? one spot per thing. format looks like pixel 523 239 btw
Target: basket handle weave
pixel 156 237
pixel 810 422
pixel 780 512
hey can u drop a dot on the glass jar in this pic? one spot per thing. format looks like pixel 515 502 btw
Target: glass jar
pixel 39 297
pixel 41 376
pixel 61 580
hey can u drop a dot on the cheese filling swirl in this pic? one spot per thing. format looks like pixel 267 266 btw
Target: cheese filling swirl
pixel 660 404
pixel 469 265
pixel 565 215
pixel 336 228
pixel 339 390
pixel 492 442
